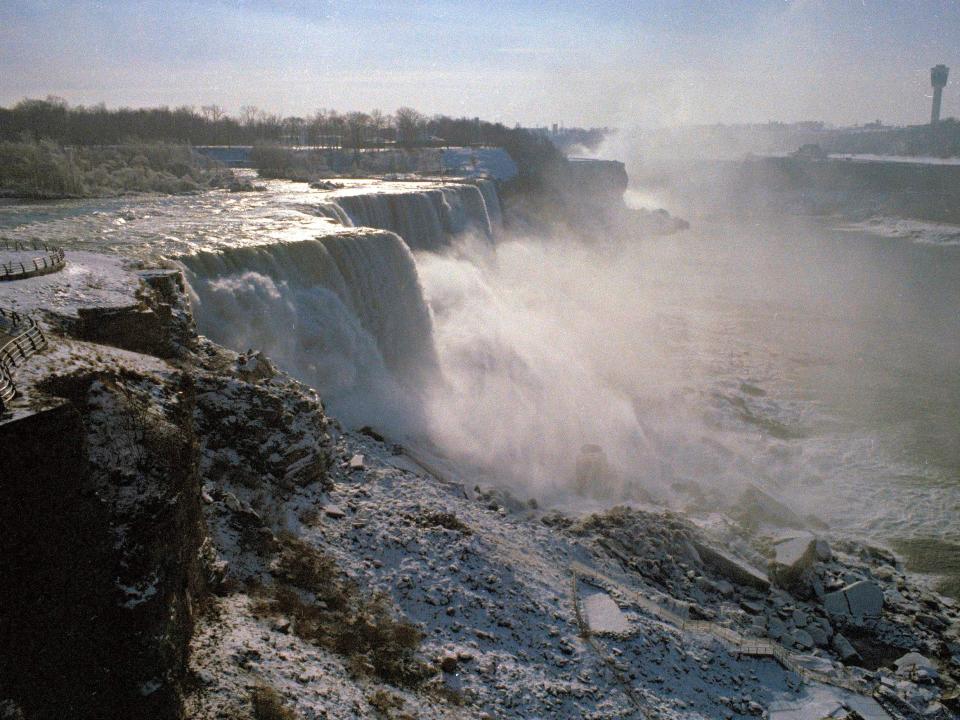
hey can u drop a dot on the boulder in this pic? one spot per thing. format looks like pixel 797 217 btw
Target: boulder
pixel 863 599
pixel 253 366
pixel 603 616
pixel 448 662
pixel 802 639
pixel 732 568
pixel 793 563
pixel 844 649
pixel 818 635
pixel 776 628
pixel 593 472
pixel 913 662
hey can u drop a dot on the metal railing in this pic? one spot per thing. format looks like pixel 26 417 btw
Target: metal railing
pixel 50 260
pixel 20 337
pixel 743 645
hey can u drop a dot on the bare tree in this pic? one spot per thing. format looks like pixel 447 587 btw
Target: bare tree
pixel 377 123
pixel 357 125
pixel 249 115
pixel 409 124
pixel 214 113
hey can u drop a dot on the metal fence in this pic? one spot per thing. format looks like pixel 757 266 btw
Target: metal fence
pixel 49 259
pixel 20 337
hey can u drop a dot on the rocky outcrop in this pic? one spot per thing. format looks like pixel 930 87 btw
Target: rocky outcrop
pixel 101 548
pixel 159 323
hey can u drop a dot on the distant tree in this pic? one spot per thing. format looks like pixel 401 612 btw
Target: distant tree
pixel 249 115
pixel 377 123
pixel 357 128
pixel 213 113
pixel 409 124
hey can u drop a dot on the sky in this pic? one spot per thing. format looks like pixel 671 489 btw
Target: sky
pixel 643 63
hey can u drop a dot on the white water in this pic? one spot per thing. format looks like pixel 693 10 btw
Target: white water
pixel 815 361
pixel 424 218
pixel 345 313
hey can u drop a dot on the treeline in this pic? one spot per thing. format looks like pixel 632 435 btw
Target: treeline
pixel 54 120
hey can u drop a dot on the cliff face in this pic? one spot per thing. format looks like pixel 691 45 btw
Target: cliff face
pixel 105 554
pixel 102 534
pixel 583 197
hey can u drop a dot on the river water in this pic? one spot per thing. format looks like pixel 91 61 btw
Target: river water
pixel 818 359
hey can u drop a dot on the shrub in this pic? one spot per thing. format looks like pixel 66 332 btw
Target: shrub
pixel 340 618
pixel 268 705
pixel 445 520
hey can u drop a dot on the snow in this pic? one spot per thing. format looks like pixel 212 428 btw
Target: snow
pixel 88 280
pixel 816 702
pixel 495 162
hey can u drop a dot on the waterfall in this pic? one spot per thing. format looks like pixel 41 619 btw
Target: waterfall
pixel 426 218
pixel 344 313
pixel 488 189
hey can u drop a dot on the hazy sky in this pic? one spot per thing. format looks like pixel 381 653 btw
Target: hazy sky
pixel 610 62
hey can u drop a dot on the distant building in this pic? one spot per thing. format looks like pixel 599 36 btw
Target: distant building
pixel 938 78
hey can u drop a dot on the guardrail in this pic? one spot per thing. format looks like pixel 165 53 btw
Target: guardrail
pixel 743 645
pixel 20 337
pixel 51 260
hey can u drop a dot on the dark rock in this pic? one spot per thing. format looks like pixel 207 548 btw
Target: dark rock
pixel 863 599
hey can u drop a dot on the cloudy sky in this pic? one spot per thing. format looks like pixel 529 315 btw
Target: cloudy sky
pixel 605 62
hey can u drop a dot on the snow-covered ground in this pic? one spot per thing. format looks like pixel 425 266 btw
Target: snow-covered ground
pixel 88 280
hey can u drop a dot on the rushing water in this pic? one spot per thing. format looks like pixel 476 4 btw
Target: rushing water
pixel 818 360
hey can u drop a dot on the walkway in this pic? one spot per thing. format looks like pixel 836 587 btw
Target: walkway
pixel 20 337
pixel 23 261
